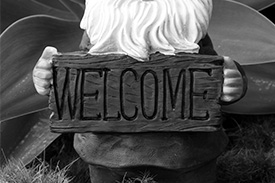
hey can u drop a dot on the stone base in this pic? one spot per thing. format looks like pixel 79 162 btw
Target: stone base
pixel 170 157
pixel 203 174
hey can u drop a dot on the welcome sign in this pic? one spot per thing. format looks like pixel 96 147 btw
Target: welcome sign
pixel 115 93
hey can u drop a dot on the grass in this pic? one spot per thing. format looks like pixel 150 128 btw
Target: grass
pixel 143 178
pixel 249 157
pixel 16 172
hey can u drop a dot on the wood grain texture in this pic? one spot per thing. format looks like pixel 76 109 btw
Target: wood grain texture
pixel 115 93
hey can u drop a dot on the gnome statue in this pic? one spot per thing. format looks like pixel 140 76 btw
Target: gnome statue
pixel 139 28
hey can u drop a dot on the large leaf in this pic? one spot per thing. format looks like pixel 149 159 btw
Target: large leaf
pixel 249 38
pixel 242 33
pixel 75 7
pixel 13 10
pixel 25 137
pixel 21 47
pixel 257 4
pixel 260 97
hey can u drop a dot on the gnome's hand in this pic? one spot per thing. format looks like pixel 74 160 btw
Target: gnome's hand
pixel 234 86
pixel 42 72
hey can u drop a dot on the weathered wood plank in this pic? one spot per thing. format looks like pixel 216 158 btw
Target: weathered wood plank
pixel 115 93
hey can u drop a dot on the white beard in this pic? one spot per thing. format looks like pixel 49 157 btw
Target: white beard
pixel 139 28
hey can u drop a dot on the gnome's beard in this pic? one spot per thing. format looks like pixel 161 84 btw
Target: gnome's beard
pixel 141 27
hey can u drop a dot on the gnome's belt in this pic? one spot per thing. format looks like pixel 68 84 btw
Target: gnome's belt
pixel 115 93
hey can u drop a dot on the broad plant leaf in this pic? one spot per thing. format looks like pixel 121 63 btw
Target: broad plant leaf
pixel 25 137
pixel 13 10
pixel 75 7
pixel 26 134
pixel 242 33
pixel 260 97
pixel 249 38
pixel 257 4
pixel 21 47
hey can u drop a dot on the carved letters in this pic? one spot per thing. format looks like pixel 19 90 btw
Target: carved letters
pixel 115 93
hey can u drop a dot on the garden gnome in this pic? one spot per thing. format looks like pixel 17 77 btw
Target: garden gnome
pixel 138 28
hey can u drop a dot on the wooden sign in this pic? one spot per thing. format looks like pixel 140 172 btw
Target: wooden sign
pixel 115 93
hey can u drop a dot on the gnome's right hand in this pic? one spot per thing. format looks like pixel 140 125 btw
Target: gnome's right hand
pixel 42 72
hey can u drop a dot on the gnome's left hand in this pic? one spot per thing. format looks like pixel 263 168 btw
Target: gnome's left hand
pixel 234 86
